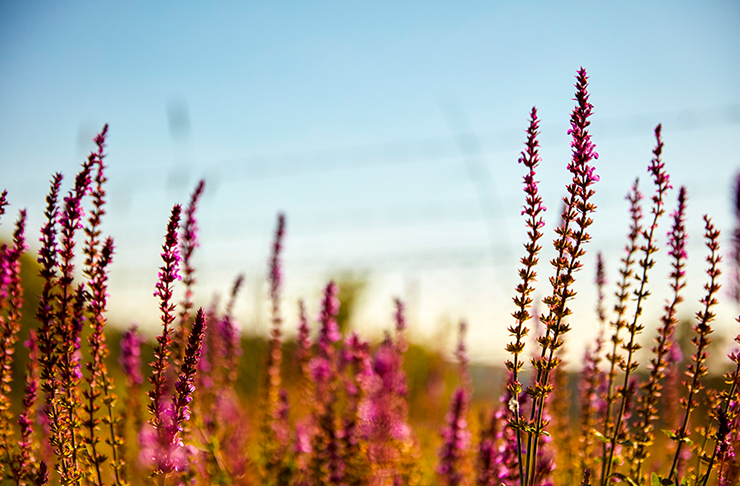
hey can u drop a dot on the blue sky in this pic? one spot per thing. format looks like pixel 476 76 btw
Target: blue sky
pixel 345 115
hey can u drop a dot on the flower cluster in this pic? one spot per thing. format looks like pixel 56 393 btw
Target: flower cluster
pixel 225 408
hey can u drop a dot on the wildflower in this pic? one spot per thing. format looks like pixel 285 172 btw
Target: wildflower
pixel 327 466
pixel 702 330
pixel 533 209
pixel 100 384
pixel 65 325
pixel 229 337
pixel 271 448
pixel 572 236
pixel 647 410
pixel 188 243
pixel 357 376
pixel 735 252
pixel 129 357
pixel 23 466
pixel 461 355
pixel 649 248
pixel 167 276
pixel 156 452
pixel 303 355
pixel 163 447
pixel 456 440
pixel 591 376
pixel 184 387
pixel 47 340
pixel 98 255
pixel 486 465
pixel 623 290
pixel 455 436
pixel 11 300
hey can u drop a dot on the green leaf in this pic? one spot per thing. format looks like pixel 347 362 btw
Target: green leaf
pixel 656 480
pixel 624 478
pixel 672 435
pixel 601 437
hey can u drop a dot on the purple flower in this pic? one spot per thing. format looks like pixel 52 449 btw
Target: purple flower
pixel 572 237
pixel 162 443
pixel 130 356
pixel 161 455
pixel 22 466
pixel 329 330
pixel 188 242
pixel 270 445
pixel 320 369
pixel 456 440
pixel 167 276
pixel 275 276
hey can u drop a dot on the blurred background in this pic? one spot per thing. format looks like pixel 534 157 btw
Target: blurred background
pixel 387 132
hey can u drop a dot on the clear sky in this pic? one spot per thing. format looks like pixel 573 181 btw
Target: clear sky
pixel 349 117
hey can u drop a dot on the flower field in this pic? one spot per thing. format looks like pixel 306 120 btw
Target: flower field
pixel 204 405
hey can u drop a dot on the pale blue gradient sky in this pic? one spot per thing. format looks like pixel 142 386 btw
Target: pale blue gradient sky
pixel 343 115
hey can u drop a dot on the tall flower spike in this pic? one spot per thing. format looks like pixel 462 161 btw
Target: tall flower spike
pixel 45 313
pixel 270 448
pixel 591 376
pixel 24 463
pixel 168 274
pixel 188 244
pixel 129 359
pixel 648 249
pixel 455 441
pixel 100 383
pixel 230 337
pixel 461 355
pixel 572 236
pixel 647 409
pixel 730 407
pixel 70 221
pixel 735 277
pixel 533 208
pixel 164 448
pixel 455 436
pixel 384 412
pixel 401 388
pixel 303 355
pixel 98 255
pixel 275 354
pixel 620 308
pixel 70 302
pixel 357 375
pixel 701 340
pixel 93 244
pixel 184 387
pixel 399 317
pixel 48 259
pixel 326 467
pixel 11 302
